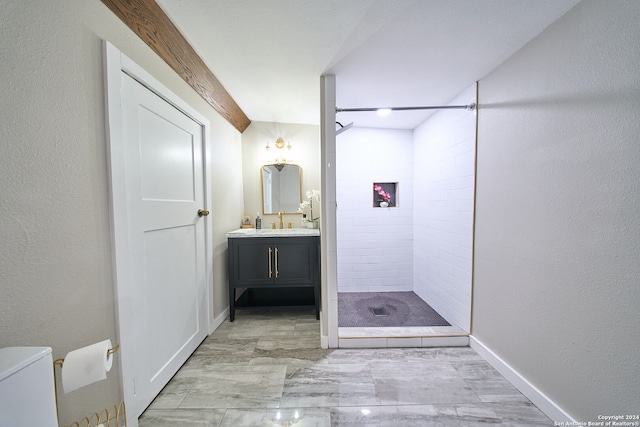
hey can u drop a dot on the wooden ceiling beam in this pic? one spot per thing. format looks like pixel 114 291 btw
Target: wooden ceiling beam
pixel 154 27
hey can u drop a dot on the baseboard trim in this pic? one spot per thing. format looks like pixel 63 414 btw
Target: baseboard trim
pixel 538 398
pixel 324 341
pixel 216 322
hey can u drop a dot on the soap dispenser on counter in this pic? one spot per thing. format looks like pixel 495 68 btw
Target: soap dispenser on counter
pixel 258 221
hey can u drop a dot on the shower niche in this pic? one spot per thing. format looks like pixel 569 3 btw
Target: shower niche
pixel 385 194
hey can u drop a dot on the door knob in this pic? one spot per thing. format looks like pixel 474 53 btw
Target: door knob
pixel 203 212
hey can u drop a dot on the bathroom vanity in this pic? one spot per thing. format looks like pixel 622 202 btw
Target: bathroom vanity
pixel 269 259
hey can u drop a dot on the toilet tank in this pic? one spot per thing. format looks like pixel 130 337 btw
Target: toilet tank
pixel 27 390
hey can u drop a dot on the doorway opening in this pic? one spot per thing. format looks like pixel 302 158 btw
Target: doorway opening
pixel 159 171
pixel 414 251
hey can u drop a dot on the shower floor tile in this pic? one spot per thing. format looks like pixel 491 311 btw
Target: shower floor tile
pixel 364 309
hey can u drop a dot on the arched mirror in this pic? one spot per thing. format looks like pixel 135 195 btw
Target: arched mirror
pixel 281 188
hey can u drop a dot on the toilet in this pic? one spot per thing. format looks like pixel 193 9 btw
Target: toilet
pixel 27 389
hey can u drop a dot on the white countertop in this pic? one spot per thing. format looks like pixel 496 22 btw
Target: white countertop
pixel 268 232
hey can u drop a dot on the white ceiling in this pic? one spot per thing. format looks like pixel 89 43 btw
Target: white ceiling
pixel 269 55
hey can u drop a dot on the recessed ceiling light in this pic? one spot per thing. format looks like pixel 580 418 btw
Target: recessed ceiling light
pixel 384 111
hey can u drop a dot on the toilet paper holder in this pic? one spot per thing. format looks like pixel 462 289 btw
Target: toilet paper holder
pixel 116 413
pixel 59 362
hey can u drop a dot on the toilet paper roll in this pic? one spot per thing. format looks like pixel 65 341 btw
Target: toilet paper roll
pixel 86 365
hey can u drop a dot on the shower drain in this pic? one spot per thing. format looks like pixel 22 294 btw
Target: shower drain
pixel 379 311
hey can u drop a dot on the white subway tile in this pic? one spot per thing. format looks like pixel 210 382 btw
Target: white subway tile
pixel 362 342
pixel 404 342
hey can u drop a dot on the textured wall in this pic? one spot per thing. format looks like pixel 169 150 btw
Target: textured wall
pixel 557 225
pixel 55 260
pixel 305 152
pixel 374 244
pixel 444 167
pixel 227 189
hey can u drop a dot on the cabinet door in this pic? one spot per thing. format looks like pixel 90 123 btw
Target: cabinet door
pixel 295 261
pixel 255 263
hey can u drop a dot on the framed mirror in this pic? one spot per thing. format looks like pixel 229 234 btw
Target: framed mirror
pixel 281 188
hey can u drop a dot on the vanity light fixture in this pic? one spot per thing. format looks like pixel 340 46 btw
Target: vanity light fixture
pixel 280 143
pixel 279 158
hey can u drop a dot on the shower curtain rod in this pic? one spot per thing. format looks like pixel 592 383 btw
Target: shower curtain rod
pixel 469 107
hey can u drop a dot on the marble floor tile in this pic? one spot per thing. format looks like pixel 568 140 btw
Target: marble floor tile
pixel 270 361
pixel 267 343
pixel 173 393
pixel 520 414
pixel 467 415
pixel 311 328
pixel 181 417
pixel 237 386
pixel 486 382
pixel 441 353
pixel 385 416
pixel 258 329
pixel 352 355
pixel 294 350
pixel 475 370
pixel 304 417
pixel 464 415
pixel 322 385
pixel 226 350
pixel 418 383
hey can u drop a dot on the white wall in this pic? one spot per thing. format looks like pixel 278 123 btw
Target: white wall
pixel 227 189
pixel 374 244
pixel 55 256
pixel 305 152
pixel 556 291
pixel 444 168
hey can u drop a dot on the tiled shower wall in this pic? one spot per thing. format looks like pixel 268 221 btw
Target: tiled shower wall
pixel 444 165
pixel 375 245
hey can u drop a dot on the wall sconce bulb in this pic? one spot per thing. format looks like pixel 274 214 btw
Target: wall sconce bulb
pixel 280 143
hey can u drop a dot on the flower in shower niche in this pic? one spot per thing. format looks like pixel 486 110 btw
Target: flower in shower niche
pixel 312 222
pixel 383 194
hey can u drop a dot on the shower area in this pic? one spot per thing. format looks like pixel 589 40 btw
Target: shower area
pixel 405 222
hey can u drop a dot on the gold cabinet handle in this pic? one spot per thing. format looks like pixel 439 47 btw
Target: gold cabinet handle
pixel 276 263
pixel 270 272
pixel 203 212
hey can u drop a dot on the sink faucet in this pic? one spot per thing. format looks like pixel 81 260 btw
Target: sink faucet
pixel 280 218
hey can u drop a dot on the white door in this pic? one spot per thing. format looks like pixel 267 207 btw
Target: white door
pixel 163 156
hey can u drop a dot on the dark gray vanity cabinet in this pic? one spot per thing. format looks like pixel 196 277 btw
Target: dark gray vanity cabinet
pixel 273 262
